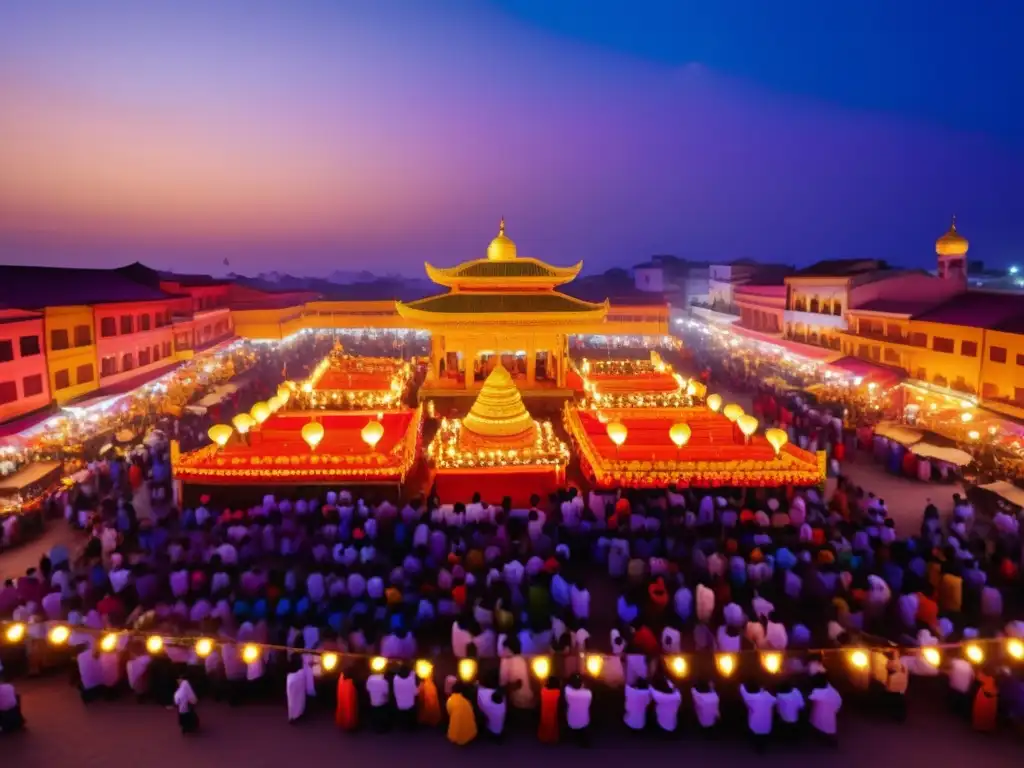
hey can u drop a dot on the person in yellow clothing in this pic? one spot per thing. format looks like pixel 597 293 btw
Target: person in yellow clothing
pixel 461 718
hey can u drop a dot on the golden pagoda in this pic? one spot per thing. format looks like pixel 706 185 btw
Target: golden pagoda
pixel 502 310
pixel 498 414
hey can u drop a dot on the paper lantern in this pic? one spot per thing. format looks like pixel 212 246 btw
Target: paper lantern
pixel 932 656
pixel 467 670
pixel 541 666
pixel 747 424
pixel 378 664
pixel 677 666
pixel 220 434
pixel 680 434
pixel 328 661
pixel 617 432
pixel 59 635
pixel 15 633
pixel 372 433
pixel 275 404
pixel 1015 648
pixel 250 653
pixel 243 423
pixel 726 663
pixel 313 433
pixel 260 412
pixel 424 669
pixel 307 387
pixel 714 402
pixel 204 647
pixel 285 393
pixel 974 653
pixel 108 643
pixel 154 643
pixel 776 438
pixel 595 663
pixel 772 662
pixel 732 411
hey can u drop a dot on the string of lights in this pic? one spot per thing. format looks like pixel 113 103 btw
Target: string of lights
pixel 858 657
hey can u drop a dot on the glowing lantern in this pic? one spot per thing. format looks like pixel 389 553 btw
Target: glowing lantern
pixel 154 643
pixel 220 434
pixel 776 438
pixel 595 663
pixel 275 404
pixel 467 670
pixel 617 432
pixel 260 412
pixel 378 664
pixel 714 402
pixel 424 669
pixel 108 643
pixel 747 424
pixel 204 647
pixel 243 423
pixel 772 662
pixel 677 665
pixel 313 433
pixel 284 393
pixel 307 387
pixel 59 635
pixel 726 663
pixel 329 661
pixel 974 653
pixel 15 633
pixel 696 389
pixel 541 667
pixel 973 434
pixel 680 434
pixel 966 417
pixel 859 660
pixel 1015 648
pixel 732 411
pixel 372 433
pixel 932 656
pixel 250 653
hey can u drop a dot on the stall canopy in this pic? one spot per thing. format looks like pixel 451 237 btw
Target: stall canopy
pixel 899 433
pixel 219 394
pixel 882 375
pixel 1006 490
pixel 942 453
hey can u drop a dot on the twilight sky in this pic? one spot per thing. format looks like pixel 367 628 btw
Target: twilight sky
pixel 312 135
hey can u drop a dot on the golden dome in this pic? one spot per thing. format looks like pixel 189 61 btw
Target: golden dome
pixel 499 413
pixel 501 248
pixel 952 243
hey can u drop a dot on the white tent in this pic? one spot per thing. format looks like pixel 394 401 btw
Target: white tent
pixel 1006 490
pixel 949 455
pixel 899 433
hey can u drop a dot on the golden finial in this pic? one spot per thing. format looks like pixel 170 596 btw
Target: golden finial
pixel 501 226
pixel 952 227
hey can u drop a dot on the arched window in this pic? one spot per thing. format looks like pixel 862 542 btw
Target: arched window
pixel 814 305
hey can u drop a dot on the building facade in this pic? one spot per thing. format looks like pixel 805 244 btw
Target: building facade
pixel 70 352
pixel 133 339
pixel 24 384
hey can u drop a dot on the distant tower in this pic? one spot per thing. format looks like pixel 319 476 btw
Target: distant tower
pixel 952 252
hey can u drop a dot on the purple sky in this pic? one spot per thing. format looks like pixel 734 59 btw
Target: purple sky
pixel 388 133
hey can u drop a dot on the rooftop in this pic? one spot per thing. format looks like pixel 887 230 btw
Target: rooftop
pixel 841 268
pixel 516 303
pixel 36 287
pixel 895 306
pixel 979 309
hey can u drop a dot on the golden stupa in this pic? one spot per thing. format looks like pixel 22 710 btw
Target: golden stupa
pixel 498 415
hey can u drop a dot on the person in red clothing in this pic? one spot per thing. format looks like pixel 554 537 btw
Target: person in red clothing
pixel 550 703
pixel 986 701
pixel 346 714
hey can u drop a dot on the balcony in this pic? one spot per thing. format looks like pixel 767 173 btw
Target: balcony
pixel 815 319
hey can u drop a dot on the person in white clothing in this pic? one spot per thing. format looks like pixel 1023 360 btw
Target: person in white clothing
pixel 638 700
pixel 90 674
pixel 789 702
pixel 825 704
pixel 706 704
pixel 404 687
pixel 379 691
pixel 491 703
pixel 295 691
pixel 666 699
pixel 185 701
pixel 577 709
pixel 760 711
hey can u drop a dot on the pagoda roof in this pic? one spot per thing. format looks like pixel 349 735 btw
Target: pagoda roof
pixel 492 305
pixel 512 272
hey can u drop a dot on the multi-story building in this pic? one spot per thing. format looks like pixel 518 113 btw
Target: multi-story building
pixel 24 387
pixel 70 351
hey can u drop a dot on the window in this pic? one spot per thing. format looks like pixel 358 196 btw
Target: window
pixel 127 362
pixel 108 366
pixel 83 335
pixel 989 390
pixel 156 351
pixel 161 320
pixel 59 338
pixel 143 356
pixel 6 351
pixel 813 307
pixel 837 308
pixel 143 322
pixel 108 327
pixel 876 353
pixel 167 348
pixel 892 356
pixel 919 339
pixel 922 374
pixel 969 348
pixel 942 344
pixel 29 345
pixel 997 354
pixel 85 374
pixel 127 324
pixel 1020 359
pixel 1018 395
pixel 33 385
pixel 61 379
pixel 8 392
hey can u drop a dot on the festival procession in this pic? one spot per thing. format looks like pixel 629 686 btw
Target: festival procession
pixel 505 513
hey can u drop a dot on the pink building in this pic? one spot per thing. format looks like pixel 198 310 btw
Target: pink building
pixel 134 338
pixel 24 384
